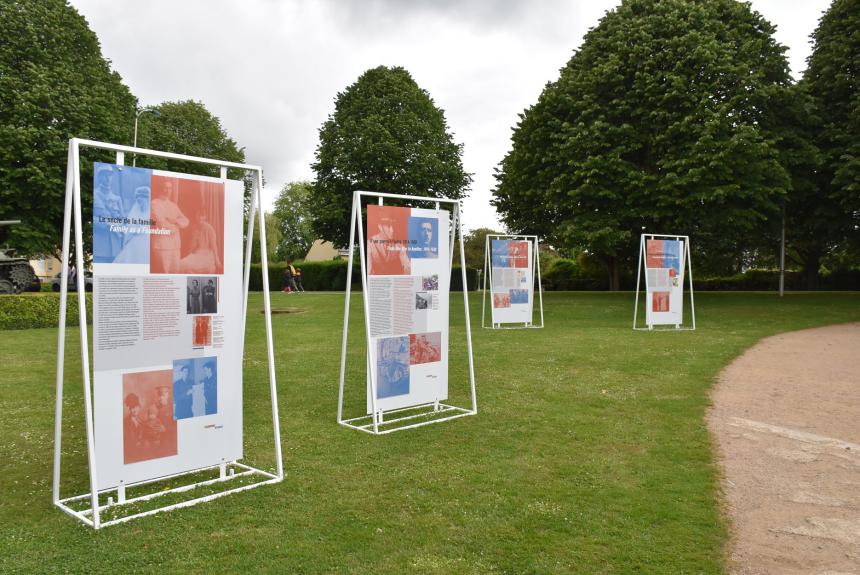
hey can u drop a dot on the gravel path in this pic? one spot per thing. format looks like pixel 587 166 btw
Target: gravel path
pixel 785 418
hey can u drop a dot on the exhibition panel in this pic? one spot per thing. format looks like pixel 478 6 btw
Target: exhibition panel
pixel 666 260
pixel 511 268
pixel 169 308
pixel 406 277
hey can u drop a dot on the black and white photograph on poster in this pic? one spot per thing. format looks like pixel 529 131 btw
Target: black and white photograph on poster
pixel 423 300
pixel 430 283
pixel 202 294
pixel 195 387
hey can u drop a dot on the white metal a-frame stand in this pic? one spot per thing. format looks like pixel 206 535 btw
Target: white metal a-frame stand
pixel 488 272
pixel 416 415
pixel 227 471
pixel 649 326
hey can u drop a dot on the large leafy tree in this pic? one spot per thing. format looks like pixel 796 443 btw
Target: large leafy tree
pixel 54 84
pixel 385 135
pixel 657 123
pixel 292 212
pixel 833 79
pixel 188 128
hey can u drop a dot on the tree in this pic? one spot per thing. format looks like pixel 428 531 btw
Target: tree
pixel 474 247
pixel 655 124
pixel 188 128
pixel 385 135
pixel 292 210
pixel 833 78
pixel 273 239
pixel 54 85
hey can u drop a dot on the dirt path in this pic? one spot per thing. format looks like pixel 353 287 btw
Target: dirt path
pixel 786 421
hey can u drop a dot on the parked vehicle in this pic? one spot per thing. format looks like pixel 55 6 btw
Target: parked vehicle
pixel 88 283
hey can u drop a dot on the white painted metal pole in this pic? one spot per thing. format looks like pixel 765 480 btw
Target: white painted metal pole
pixel 362 259
pixel 270 346
pixel 484 290
pixel 355 201
pixel 782 257
pixel 690 273
pixel 61 328
pixel 638 277
pixel 249 243
pixel 466 306
pixel 540 288
pixel 82 322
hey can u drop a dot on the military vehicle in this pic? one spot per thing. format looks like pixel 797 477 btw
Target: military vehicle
pixel 16 274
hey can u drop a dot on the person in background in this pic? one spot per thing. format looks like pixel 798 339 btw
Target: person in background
pixel 290 278
pixel 298 278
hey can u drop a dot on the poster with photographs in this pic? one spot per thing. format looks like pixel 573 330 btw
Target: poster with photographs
pixel 664 281
pixel 511 280
pixel 408 292
pixel 167 318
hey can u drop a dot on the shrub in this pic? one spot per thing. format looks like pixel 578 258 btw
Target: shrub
pixel 34 310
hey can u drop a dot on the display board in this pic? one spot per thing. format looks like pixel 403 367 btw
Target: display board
pixel 511 266
pixel 406 254
pixel 665 260
pixel 511 284
pixel 664 281
pixel 170 285
pixel 408 278
pixel 167 319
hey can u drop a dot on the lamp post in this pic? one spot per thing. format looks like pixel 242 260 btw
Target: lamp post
pixel 156 113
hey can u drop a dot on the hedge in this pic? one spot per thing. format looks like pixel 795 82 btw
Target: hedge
pixel 331 276
pixel 32 310
pixel 566 275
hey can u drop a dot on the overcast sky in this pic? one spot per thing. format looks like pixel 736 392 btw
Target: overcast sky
pixel 270 69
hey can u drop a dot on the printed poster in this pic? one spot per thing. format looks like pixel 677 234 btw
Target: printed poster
pixel 664 281
pixel 408 283
pixel 167 318
pixel 511 281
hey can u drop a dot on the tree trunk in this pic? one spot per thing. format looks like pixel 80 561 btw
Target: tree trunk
pixel 810 270
pixel 614 273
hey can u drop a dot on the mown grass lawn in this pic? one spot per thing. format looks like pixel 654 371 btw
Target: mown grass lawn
pixel 589 453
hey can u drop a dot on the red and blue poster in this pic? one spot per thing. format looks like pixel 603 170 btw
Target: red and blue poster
pixel 664 272
pixel 511 280
pixel 407 283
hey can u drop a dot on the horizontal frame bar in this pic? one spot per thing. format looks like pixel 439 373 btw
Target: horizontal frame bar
pixel 368 428
pixel 160 154
pixel 82 515
pixel 404 197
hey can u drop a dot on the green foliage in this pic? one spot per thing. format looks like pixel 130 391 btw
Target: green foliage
pixel 188 128
pixel 657 123
pixel 768 280
pixel 474 247
pixel 385 135
pixel 273 239
pixel 832 79
pixel 54 85
pixel 36 310
pixel 293 213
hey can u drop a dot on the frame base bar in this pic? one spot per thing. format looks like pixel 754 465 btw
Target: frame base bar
pixel 664 328
pixel 443 408
pixel 84 514
pixel 500 326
